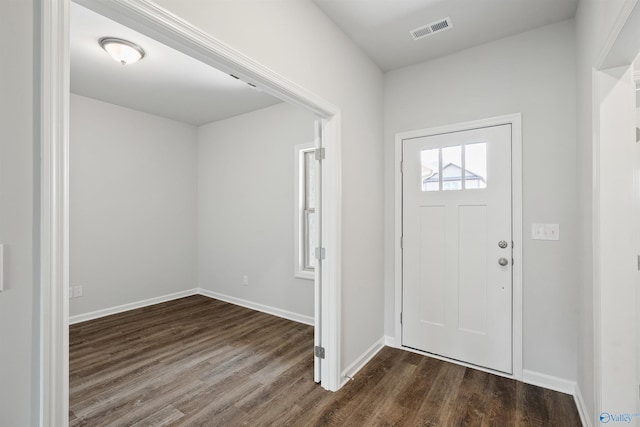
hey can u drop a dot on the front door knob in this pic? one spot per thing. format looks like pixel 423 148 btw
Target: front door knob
pixel 503 262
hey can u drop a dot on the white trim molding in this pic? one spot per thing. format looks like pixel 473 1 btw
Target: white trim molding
pixel 583 411
pixel 130 306
pixel 548 381
pixel 621 45
pixel 53 400
pixel 620 49
pixel 615 306
pixel 154 21
pixel 595 230
pixel 515 120
pixel 350 371
pixel 330 273
pixel 529 377
pixel 390 341
pixel 289 315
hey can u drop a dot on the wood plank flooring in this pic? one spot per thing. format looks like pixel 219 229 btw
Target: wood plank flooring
pixel 197 361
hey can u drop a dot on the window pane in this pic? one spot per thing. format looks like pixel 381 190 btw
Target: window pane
pixel 310 179
pixel 452 168
pixel 310 233
pixel 430 160
pixel 475 158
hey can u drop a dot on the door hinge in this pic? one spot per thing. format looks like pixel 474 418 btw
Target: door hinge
pixel 320 153
pixel 320 253
pixel 319 352
pixel 401 166
pixel 402 242
pixel 401 318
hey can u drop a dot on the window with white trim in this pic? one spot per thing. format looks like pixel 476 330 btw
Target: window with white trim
pixel 305 210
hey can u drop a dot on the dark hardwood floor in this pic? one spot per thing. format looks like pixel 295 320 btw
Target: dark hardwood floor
pixel 202 362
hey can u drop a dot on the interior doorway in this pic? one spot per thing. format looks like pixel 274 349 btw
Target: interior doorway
pixel 615 201
pixel 55 241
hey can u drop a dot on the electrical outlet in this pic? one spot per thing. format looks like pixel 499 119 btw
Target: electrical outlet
pixel 77 291
pixel 245 280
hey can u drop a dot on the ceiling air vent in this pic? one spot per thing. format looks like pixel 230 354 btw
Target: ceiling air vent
pixel 430 29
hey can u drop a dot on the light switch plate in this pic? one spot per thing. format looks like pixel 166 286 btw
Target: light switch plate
pixel 545 231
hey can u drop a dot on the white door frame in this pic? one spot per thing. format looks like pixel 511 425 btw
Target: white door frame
pixel 515 120
pixel 615 274
pixel 144 15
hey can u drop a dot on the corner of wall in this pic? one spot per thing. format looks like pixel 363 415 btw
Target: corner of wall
pixel 583 410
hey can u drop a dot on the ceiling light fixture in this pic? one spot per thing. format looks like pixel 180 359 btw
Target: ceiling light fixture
pixel 123 51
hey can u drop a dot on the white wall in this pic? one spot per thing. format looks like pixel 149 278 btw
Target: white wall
pixel 19 313
pixel 532 73
pixel 595 20
pixel 296 40
pixel 618 276
pixel 132 205
pixel 245 207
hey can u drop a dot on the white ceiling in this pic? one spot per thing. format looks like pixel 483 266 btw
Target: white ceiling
pixel 165 82
pixel 381 27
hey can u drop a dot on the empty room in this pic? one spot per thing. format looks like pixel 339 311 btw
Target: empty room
pixel 320 212
pixel 186 185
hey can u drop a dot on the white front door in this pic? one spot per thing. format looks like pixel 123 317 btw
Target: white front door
pixel 457 246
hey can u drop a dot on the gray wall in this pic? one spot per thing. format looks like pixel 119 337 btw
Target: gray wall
pixel 246 207
pixel 19 305
pixel 296 40
pixel 159 206
pixel 532 73
pixel 132 205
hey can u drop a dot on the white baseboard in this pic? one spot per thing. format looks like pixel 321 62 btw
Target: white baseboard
pixel 307 320
pixel 350 371
pixel 390 341
pixel 535 378
pixel 585 416
pixel 547 381
pixel 300 318
pixel 130 306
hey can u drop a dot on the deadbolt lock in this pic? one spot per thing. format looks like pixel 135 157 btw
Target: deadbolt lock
pixel 503 244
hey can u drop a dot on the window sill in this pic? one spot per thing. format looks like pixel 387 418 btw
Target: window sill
pixel 308 275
